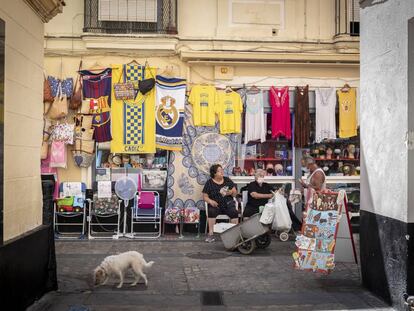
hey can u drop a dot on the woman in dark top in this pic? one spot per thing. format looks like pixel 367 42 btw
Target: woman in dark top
pixel 219 192
pixel 259 194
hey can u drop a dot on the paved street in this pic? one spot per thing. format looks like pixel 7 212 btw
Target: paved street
pixel 184 269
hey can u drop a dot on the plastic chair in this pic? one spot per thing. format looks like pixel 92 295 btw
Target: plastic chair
pixel 145 214
pixel 223 216
pixel 74 213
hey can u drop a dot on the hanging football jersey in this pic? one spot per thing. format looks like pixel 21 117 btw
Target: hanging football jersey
pixel 347 113
pixel 169 112
pixel 203 99
pixel 229 108
pixel 98 86
pixel 133 122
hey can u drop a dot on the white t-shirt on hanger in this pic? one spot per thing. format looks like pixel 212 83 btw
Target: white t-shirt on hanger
pixel 255 121
pixel 325 102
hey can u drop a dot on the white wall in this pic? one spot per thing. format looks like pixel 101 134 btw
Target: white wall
pixel 384 108
pixel 23 118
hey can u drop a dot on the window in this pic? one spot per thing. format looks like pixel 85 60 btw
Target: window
pixel 128 10
pixel 130 16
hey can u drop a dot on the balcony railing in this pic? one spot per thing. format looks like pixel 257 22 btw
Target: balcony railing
pixel 347 17
pixel 131 16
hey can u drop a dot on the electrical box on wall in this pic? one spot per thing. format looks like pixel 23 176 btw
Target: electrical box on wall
pixel 223 72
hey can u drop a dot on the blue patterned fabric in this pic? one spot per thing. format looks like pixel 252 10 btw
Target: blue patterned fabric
pixel 67 86
pixel 188 170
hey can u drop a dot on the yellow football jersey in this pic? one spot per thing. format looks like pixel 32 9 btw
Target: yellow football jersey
pixel 229 107
pixel 203 99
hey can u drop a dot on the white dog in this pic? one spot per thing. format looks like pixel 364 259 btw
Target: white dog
pixel 118 265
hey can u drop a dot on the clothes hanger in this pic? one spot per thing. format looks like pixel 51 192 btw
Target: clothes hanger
pixel 96 66
pixel 168 72
pixel 345 88
pixel 134 62
pixel 254 89
pixel 228 89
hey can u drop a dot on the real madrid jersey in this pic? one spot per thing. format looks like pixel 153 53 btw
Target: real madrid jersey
pixel 203 99
pixel 229 107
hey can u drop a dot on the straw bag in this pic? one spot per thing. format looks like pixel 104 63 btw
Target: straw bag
pixel 124 91
pixel 82 158
pixel 83 129
pixel 44 151
pixel 85 145
pixel 59 108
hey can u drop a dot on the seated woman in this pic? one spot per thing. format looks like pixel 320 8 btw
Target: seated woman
pixel 218 192
pixel 259 194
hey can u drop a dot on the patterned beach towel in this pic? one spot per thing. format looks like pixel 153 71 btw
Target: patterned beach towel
pixel 188 170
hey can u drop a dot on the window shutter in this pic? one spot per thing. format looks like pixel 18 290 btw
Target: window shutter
pixel 128 10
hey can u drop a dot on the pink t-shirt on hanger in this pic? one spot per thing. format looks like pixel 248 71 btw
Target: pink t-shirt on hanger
pixel 279 101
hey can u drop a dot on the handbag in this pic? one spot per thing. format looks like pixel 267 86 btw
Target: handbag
pixel 82 158
pixel 44 150
pixel 59 108
pixel 58 154
pixel 47 91
pixel 146 85
pixel 62 132
pixel 83 128
pixel 76 99
pixel 146 200
pixel 85 145
pixel 124 91
pixel 66 84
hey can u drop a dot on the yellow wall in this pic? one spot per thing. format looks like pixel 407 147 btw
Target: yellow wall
pixel 23 118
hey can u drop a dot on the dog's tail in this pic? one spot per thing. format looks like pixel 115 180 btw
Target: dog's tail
pixel 148 264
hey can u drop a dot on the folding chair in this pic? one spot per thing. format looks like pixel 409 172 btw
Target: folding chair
pixel 182 216
pixel 70 210
pixel 223 216
pixel 101 215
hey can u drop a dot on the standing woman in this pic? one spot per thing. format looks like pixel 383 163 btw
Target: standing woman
pixel 219 192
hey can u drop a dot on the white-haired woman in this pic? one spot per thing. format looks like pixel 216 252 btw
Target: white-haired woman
pixel 259 194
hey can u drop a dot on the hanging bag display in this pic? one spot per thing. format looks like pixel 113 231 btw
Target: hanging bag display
pixel 47 91
pixel 62 132
pixel 124 91
pixel 76 99
pixel 58 154
pixel 59 108
pixel 146 85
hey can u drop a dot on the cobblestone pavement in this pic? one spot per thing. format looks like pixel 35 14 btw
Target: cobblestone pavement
pixel 184 269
